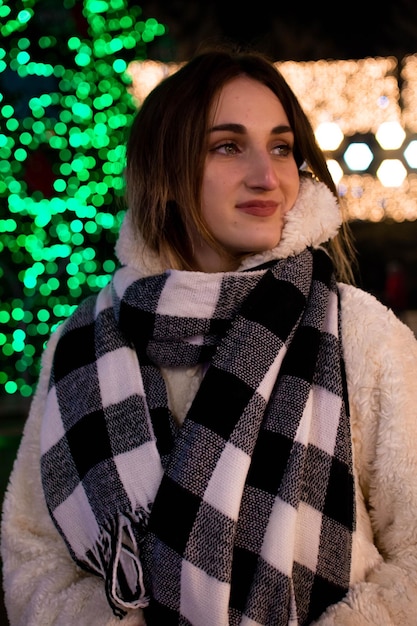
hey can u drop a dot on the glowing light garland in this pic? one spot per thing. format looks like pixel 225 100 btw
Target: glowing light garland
pixel 61 166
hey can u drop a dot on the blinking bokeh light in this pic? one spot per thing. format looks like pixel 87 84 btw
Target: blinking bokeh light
pixel 65 109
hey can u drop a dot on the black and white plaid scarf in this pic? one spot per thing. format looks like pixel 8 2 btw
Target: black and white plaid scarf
pixel 245 514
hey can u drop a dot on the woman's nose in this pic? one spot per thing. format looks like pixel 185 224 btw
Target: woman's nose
pixel 261 172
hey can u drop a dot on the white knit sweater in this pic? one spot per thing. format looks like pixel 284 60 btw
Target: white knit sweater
pixel 44 587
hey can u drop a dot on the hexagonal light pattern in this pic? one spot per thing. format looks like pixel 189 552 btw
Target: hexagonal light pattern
pixel 358 157
pixel 391 173
pixel 329 135
pixel 410 154
pixel 335 170
pixel 390 135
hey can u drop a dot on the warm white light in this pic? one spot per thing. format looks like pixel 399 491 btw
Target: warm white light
pixel 358 95
pixel 391 173
pixel 335 170
pixel 390 135
pixel 146 75
pixel 329 135
pixel 410 154
pixel 358 157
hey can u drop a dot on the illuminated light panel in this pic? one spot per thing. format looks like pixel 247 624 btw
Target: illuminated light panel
pixel 358 157
pixel 329 135
pixel 145 75
pixel 335 170
pixel 410 154
pixel 390 135
pixel 391 173
pixel 364 93
pixel 409 92
pixel 366 198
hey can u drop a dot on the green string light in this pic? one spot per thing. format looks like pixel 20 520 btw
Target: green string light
pixel 61 165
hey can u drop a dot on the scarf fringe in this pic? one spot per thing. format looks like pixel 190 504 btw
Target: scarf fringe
pixel 117 551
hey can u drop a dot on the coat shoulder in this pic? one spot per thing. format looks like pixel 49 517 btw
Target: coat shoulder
pixel 367 319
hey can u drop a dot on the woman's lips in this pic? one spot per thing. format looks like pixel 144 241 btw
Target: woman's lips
pixel 260 208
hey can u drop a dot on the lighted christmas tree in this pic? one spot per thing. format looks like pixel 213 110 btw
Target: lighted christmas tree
pixel 65 109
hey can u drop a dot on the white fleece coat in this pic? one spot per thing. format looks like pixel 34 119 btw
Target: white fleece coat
pixel 44 587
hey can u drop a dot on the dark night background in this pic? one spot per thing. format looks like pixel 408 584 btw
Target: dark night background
pixel 298 31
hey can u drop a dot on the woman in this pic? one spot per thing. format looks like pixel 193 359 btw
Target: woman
pixel 225 434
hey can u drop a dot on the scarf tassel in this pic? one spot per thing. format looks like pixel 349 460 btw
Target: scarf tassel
pixel 118 552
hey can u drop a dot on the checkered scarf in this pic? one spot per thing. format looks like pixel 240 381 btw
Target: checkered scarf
pixel 245 514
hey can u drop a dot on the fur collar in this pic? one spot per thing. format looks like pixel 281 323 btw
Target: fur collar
pixel 314 219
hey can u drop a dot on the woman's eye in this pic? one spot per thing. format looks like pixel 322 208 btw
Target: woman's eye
pixel 228 148
pixel 282 149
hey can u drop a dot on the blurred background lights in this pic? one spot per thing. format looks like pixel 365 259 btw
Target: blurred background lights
pixel 62 143
pixel 410 154
pixel 335 170
pixel 391 173
pixel 62 152
pixel 329 135
pixel 358 156
pixel 390 135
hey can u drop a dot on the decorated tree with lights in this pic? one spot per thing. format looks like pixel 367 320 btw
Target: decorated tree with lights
pixel 65 108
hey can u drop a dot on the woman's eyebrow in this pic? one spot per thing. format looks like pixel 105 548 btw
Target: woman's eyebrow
pixel 241 130
pixel 234 128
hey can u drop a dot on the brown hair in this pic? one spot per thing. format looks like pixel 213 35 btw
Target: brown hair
pixel 167 147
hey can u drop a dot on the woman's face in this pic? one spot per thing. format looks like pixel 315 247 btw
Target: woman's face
pixel 251 179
